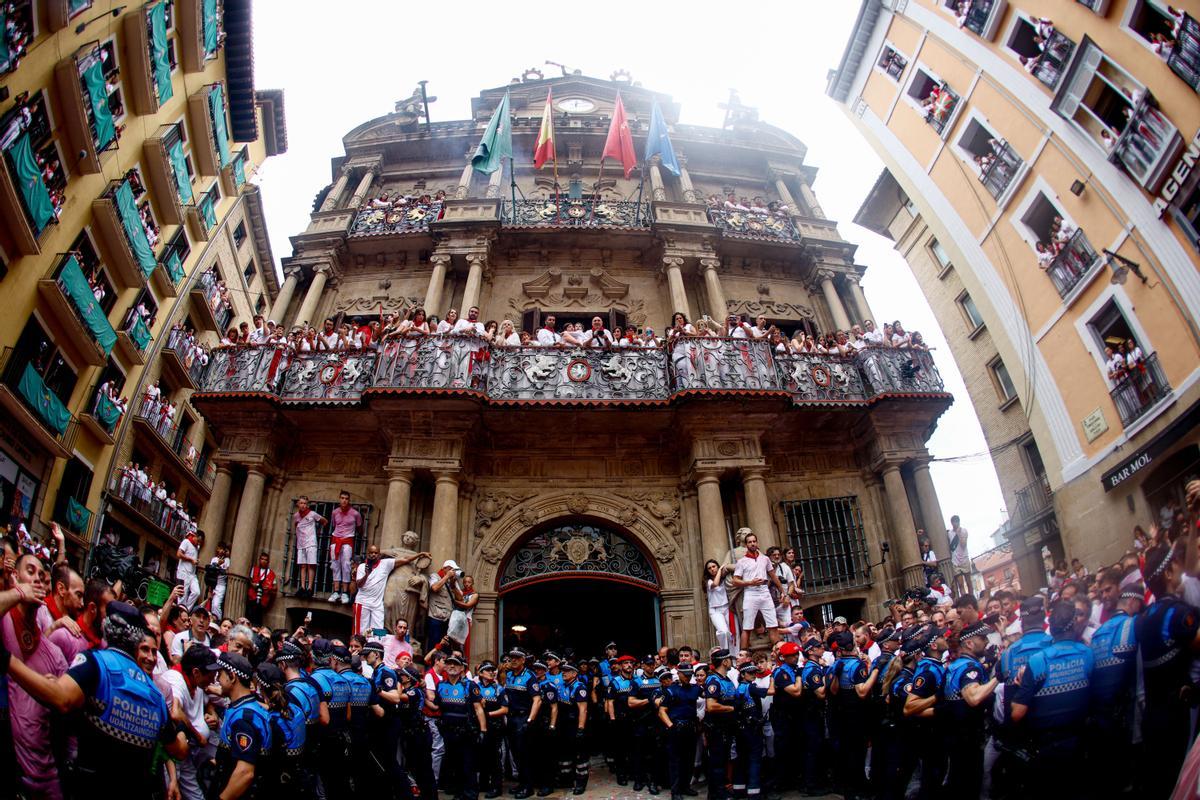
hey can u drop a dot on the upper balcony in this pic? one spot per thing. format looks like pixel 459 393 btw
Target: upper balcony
pixel 1184 59
pixel 41 413
pixel 169 276
pixel 209 299
pixel 575 213
pixel 207 116
pixel 200 31
pixel 103 414
pixel 981 17
pixel 148 57
pixel 179 360
pixel 203 215
pixel 1051 64
pixel 85 93
pixel 544 376
pixel 32 181
pixel 1146 147
pixel 754 223
pixel 1074 260
pixel 181 457
pixel 69 295
pixel 134 338
pixel 128 229
pixel 1139 390
pixel 167 172
pixel 18 31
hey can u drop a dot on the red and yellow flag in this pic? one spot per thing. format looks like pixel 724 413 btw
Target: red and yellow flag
pixel 543 151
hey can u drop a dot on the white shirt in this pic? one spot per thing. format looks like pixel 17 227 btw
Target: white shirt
pixel 186 569
pixel 328 340
pixel 874 651
pixel 466 326
pixel 371 587
pixel 444 327
pixel 547 337
pixel 182 640
pixel 512 340
pixel 749 569
pixel 717 596
pixel 874 337
pixel 959 555
pixel 592 338
pixel 192 702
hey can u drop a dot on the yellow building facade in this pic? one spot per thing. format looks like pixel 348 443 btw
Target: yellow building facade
pixel 1040 182
pixel 131 136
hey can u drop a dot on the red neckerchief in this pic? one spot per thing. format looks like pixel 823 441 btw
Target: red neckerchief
pixel 52 607
pixel 753 555
pixel 94 641
pixel 28 637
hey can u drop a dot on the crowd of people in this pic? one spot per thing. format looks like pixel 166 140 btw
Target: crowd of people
pixel 1071 267
pixel 1084 689
pixel 1163 44
pixel 758 206
pixel 155 499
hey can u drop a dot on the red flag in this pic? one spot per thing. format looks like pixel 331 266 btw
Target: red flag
pixel 619 144
pixel 543 151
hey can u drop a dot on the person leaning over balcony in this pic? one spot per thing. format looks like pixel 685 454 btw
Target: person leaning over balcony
pixel 760 329
pixel 447 325
pixel 649 339
pixel 328 338
pixel 899 337
pixel 873 337
pixel 917 342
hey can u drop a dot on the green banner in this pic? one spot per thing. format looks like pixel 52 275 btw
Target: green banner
pixel 216 110
pixel 174 268
pixel 107 412
pixel 207 211
pixel 139 332
pixel 71 279
pixel 43 401
pixel 33 188
pixel 239 171
pixel 135 233
pixel 102 121
pixel 183 181
pixel 211 33
pixel 78 516
pixel 6 54
pixel 75 6
pixel 158 52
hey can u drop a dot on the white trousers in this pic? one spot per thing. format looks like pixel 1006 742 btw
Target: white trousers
pixel 726 637
pixel 755 603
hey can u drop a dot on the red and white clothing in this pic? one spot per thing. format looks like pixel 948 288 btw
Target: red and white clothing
pixel 345 526
pixel 756 599
pixel 371 583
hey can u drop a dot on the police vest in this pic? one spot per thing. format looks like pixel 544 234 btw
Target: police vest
pixel 928 678
pixel 680 701
pixel 248 710
pixel 493 695
pixel 1018 654
pixel 749 700
pixel 897 695
pixel 812 676
pixel 359 691
pixel 384 678
pixel 304 694
pixel 645 689
pixel 606 673
pixel 724 691
pixel 784 676
pixel 1114 648
pixel 1166 658
pixel 127 705
pixel 335 687
pixel 1062 672
pixel 289 735
pixel 455 699
pixel 849 672
pixel 618 691
pixel 571 694
pixel 516 686
pixel 880 664
pixel 962 672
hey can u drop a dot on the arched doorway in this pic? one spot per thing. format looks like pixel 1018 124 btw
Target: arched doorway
pixel 573 586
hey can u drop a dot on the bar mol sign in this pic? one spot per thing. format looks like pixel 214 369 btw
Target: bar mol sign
pixel 1183 168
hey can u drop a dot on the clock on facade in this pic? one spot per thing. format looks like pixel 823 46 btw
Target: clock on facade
pixel 576 105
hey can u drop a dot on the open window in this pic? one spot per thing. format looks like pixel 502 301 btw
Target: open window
pixel 892 62
pixel 37 361
pixel 1062 249
pixel 1137 382
pixel 1043 51
pixel 995 162
pixel 89 261
pixel 1154 24
pixel 933 98
pixel 70 506
pixel 980 17
pixel 19 31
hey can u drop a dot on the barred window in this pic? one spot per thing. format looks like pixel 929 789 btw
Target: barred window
pixel 829 540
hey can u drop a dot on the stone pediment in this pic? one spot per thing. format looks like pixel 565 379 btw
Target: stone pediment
pixel 578 285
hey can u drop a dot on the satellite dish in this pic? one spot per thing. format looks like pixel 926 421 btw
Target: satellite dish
pixel 1120 275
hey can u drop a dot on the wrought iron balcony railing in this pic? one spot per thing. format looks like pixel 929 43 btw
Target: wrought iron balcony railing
pixel 979 17
pixel 464 364
pixel 172 522
pixel 1072 263
pixel 1004 166
pixel 564 212
pixel 1145 142
pixel 1184 60
pixel 1033 499
pixel 1053 61
pixel 409 218
pixel 1140 390
pixel 941 105
pixel 750 223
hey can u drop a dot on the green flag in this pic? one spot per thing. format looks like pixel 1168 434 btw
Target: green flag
pixel 496 144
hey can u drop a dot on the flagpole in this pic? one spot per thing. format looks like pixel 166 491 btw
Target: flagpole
pixel 512 177
pixel 641 186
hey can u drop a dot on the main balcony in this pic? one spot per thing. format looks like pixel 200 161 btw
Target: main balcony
pixel 540 376
pixel 396 221
pixel 566 212
pixel 736 222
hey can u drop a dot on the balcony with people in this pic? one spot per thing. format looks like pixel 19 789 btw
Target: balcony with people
pixel 90 93
pixel 208 122
pixel 78 303
pixel 32 183
pixel 155 502
pixel 169 172
pixel 934 100
pixel 1043 50
pixel 1137 379
pixel 397 214
pixel 134 338
pixel 211 301
pixel 35 386
pixel 18 31
pixel 201 31
pixel 203 215
pixel 980 17
pixel 163 423
pixel 107 407
pixel 151 55
pixel 184 358
pixel 756 217
pixel 575 210
pixel 169 276
pixel 127 224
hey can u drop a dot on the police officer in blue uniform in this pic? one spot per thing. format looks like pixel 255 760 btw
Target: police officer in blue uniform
pixel 543 720
pixel 495 708
pixel 888 640
pixel 605 670
pixel 922 708
pixel 677 710
pixel 1114 649
pixel 358 702
pixel 334 754
pixel 115 748
pixel 416 741
pixel 1033 638
pixel 572 719
pixel 518 683
pixel 644 725
pixel 244 741
pixel 288 734
pixel 1168 636
pixel 898 735
pixel 811 723
pixel 785 714
pixel 749 739
pixel 383 724
pixel 968 693
pixel 848 688
pixel 1050 705
pixel 305 696
pixel 720 696
pixel 462 724
pixel 616 704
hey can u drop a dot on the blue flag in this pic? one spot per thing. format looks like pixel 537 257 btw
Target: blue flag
pixel 659 144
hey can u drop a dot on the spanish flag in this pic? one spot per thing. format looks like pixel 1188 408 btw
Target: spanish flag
pixel 543 151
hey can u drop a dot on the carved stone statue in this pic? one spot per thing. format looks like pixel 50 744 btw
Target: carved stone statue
pixel 407 591
pixel 731 558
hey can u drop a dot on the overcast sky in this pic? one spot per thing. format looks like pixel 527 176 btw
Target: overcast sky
pixel 340 67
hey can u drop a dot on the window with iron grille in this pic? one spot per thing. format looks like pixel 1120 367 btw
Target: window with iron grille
pixel 830 543
pixel 324 575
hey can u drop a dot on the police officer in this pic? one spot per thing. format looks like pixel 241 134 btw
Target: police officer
pixel 303 693
pixel 898 732
pixel 462 724
pixel 519 682
pixel 1033 638
pixel 333 759
pixel 811 720
pixel 888 640
pixel 543 719
pixel 747 768
pixel 848 718
pixel 383 723
pixel 720 696
pixel 1114 649
pixel 495 707
pixel 677 710
pixel 1050 704
pixel 358 702
pixel 416 741
pixel 785 713
pixel 115 748
pixel 644 726
pixel 289 731
pixel 921 707
pixel 968 694
pixel 244 741
pixel 616 705
pixel 572 716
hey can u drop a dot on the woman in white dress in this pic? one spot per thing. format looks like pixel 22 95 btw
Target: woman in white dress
pixel 508 335
pixel 683 352
pixel 723 622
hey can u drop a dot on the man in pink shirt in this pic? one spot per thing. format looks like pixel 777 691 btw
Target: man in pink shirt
pixel 30 719
pixel 346 523
pixel 396 643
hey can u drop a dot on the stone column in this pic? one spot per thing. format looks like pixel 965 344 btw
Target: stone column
pixel 860 300
pixel 904 536
pixel 810 200
pixel 284 298
pixel 483 628
pixel 443 528
pixel 214 511
pixel 476 262
pixel 685 181
pixel 464 181
pixel 364 186
pixel 840 319
pixel 758 506
pixel 785 195
pixel 684 617
pixel 713 536
pixel 245 528
pixel 657 191
pixel 339 189
pixel 931 510
pixel 493 187
pixel 313 296
pixel 672 267
pixel 712 284
pixel 395 513
pixel 437 283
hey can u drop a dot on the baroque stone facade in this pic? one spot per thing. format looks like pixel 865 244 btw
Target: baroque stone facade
pixel 482 457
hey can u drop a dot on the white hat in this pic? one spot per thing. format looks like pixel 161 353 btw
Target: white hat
pixel 450 563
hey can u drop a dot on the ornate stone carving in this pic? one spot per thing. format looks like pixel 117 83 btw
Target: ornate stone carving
pixel 491 554
pixel 772 308
pixel 664 553
pixel 371 305
pixel 727 449
pixel 627 515
pixel 493 505
pixel 528 516
pixel 578 504
pixel 663 506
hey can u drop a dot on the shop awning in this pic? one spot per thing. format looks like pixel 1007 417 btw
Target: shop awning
pixel 139 333
pixel 102 121
pixel 80 291
pixel 208 212
pixel 134 232
pixel 158 52
pixel 33 188
pixel 43 401
pixel 174 268
pixel 211 32
pixel 216 110
pixel 179 166
pixel 107 412
pixel 1131 466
